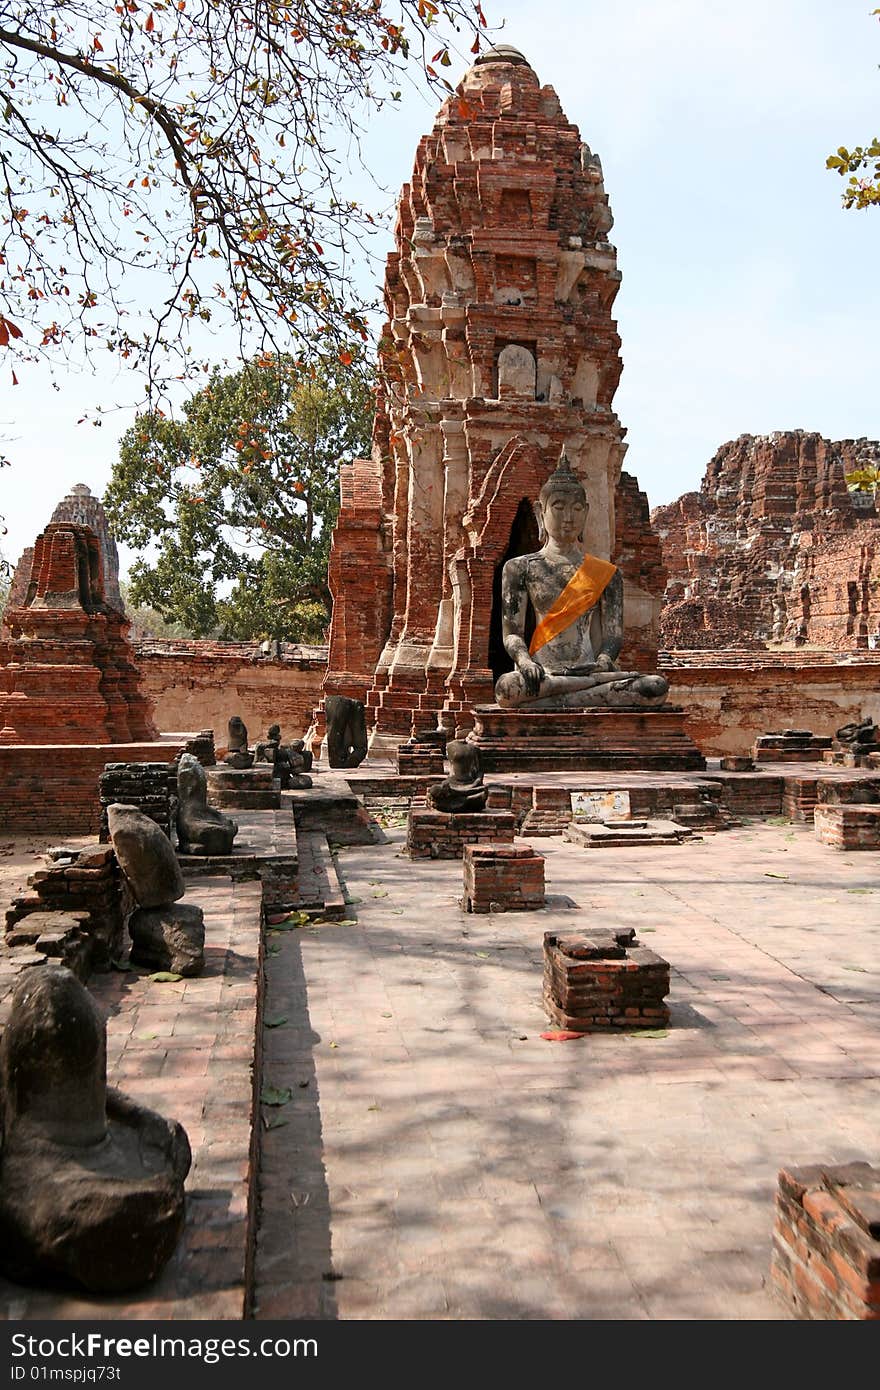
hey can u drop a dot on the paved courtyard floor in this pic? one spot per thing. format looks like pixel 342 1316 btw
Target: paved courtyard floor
pixel 440 1160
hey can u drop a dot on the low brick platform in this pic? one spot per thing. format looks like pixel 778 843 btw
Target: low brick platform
pixel 331 808
pixel 604 979
pixel 246 788
pixel 847 826
pixel 420 760
pixel 792 746
pixel 265 848
pixel 655 740
pixel 615 835
pixel 826 1242
pixel 438 835
pixel 503 878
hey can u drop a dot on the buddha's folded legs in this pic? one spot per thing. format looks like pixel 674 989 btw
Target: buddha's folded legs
pixel 610 688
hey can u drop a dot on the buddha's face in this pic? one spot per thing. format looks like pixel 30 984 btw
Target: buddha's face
pixel 564 512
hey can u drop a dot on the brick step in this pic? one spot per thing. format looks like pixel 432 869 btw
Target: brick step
pixel 320 889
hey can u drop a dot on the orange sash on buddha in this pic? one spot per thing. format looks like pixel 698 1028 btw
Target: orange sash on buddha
pixel 582 591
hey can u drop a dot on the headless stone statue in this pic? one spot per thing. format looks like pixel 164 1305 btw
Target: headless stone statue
pixel 289 760
pixel 571 661
pixel 91 1184
pixel 200 828
pixel 165 933
pixel 346 731
pixel 861 737
pixel 237 754
pixel 463 792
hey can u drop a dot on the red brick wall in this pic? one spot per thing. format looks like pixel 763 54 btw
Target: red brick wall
pixel 731 698
pixel 199 685
pixel 53 789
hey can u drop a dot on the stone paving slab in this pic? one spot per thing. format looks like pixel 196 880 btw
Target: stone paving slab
pixel 441 1160
pixel 187 1049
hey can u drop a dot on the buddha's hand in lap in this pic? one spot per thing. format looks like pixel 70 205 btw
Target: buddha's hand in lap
pixel 532 673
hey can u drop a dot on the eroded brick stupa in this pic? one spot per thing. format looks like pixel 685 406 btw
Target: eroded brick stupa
pixel 67 672
pixel 500 349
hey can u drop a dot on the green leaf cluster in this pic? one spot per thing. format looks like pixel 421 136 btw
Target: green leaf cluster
pixel 862 164
pixel 863 479
pixel 234 503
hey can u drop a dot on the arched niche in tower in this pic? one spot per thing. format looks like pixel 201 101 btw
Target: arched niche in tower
pixel 516 372
pixel 524 540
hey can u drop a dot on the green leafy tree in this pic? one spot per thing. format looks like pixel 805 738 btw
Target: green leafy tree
pixel 168 163
pixel 146 622
pixel 862 164
pixel 237 499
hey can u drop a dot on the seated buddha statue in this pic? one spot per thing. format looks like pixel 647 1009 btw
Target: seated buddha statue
pixel 571 660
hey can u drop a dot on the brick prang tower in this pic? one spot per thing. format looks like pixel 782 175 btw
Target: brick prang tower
pixel 500 348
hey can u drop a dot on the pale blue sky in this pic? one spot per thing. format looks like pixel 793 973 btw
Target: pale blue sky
pixel 750 300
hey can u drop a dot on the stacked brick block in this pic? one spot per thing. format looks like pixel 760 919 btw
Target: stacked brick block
pixel 503 878
pixel 791 746
pixel 84 884
pixel 437 835
pixel 848 827
pixel 202 747
pixel 601 980
pixel 420 760
pixel 252 789
pixel 151 787
pixel 826 1242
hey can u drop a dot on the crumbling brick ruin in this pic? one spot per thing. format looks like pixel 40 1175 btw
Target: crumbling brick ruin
pixel 774 548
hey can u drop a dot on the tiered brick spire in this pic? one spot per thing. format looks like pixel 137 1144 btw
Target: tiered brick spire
pixel 499 349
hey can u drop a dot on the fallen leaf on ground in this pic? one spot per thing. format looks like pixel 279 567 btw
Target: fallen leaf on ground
pixel 769 875
pixel 652 1033
pixel 334 1044
pixel 860 968
pixel 286 921
pixel 275 1022
pixel 562 1035
pixel 164 977
pixel 274 1121
pixel 276 1095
